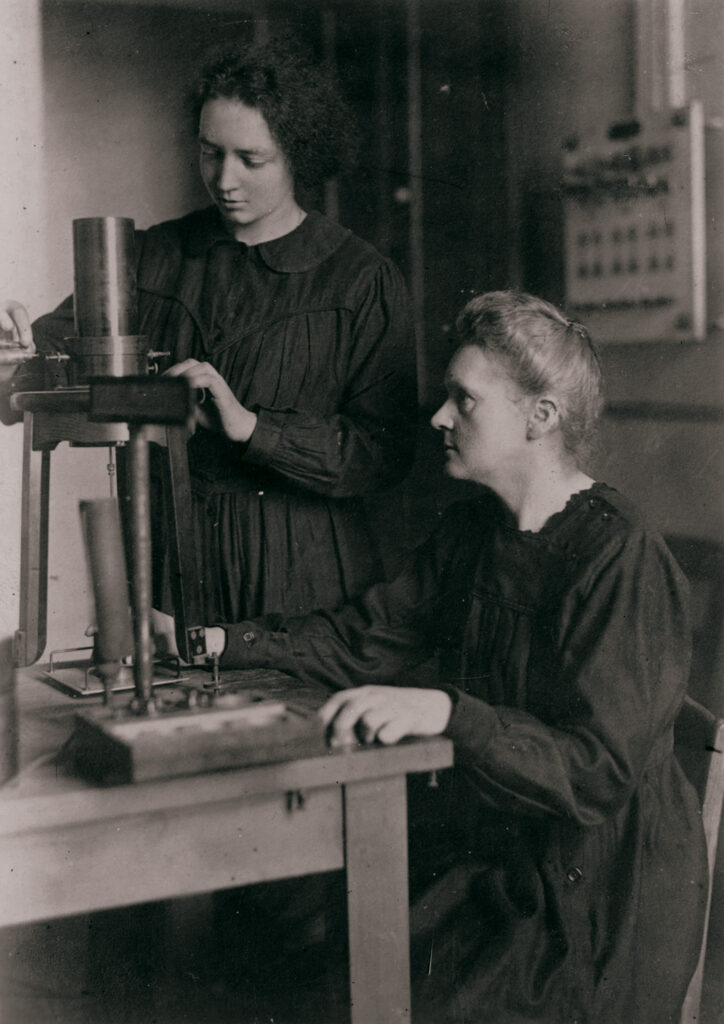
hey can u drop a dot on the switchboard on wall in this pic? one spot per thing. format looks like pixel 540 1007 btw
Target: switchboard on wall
pixel 635 230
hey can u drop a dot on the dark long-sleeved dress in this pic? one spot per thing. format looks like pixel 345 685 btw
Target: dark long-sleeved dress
pixel 313 331
pixel 558 872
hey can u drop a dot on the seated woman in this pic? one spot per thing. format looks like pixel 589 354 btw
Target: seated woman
pixel 558 870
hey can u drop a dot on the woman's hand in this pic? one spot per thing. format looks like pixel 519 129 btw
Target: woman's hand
pixel 224 412
pixel 163 632
pixel 15 334
pixel 385 714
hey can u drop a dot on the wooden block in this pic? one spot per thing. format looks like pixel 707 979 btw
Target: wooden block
pixel 113 750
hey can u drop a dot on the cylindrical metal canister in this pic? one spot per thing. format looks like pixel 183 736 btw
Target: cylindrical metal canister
pixel 105 276
pixel 109 575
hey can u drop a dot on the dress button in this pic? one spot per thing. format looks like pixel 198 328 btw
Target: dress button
pixel 574 874
pixel 248 637
pixel 605 516
pixel 592 502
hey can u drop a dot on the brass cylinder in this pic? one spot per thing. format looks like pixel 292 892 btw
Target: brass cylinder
pixel 105 277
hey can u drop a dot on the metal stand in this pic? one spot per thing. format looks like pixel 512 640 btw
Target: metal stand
pixel 64 415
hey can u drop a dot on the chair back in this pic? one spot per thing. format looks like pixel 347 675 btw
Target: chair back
pixel 699 746
pixel 702 562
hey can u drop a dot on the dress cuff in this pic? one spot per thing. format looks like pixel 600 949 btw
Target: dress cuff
pixel 265 439
pixel 246 646
pixel 472 722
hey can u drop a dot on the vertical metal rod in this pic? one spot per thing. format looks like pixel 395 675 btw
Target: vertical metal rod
pixel 414 143
pixel 676 56
pixel 32 632
pixel 651 55
pixel 111 467
pixel 141 565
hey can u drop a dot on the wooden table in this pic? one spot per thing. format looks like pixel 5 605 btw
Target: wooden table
pixel 67 847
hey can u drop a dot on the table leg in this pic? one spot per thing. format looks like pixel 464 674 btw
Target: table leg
pixel 377 884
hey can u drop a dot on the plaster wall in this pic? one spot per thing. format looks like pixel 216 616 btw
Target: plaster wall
pixel 574 68
pixel 100 126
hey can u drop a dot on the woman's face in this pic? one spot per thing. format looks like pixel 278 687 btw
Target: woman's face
pixel 245 172
pixel 484 420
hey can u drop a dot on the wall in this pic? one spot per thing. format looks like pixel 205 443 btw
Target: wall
pixel 575 65
pixel 102 131
pixel 22 255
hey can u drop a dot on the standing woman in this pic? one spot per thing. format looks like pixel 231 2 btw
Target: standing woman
pixel 300 334
pixel 559 869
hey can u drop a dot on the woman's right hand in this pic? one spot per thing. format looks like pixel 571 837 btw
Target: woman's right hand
pixel 385 714
pixel 16 337
pixel 163 631
pixel 226 413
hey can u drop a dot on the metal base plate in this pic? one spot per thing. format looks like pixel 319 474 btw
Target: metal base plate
pixel 76 677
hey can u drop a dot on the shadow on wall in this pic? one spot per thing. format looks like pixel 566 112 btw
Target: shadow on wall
pixel 405 515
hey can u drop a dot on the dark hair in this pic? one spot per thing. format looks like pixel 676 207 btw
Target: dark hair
pixel 541 351
pixel 298 98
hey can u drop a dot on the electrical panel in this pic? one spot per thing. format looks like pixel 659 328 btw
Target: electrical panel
pixel 635 230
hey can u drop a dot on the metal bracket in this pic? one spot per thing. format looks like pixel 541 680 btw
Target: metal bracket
pixel 196 643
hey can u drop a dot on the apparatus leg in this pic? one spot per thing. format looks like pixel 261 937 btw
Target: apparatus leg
pixel 141 565
pixel 31 636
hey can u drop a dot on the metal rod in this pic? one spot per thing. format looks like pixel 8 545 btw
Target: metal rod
pixel 141 565
pixel 32 632
pixel 111 469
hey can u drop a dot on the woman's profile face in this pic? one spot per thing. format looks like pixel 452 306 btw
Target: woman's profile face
pixel 245 172
pixel 484 420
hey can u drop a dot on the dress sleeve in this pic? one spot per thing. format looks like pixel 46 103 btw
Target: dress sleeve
pixel 51 329
pixel 390 628
pixel 368 444
pixel 617 683
pixel 49 333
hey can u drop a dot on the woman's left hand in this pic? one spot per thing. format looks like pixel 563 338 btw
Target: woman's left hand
pixel 385 714
pixel 225 413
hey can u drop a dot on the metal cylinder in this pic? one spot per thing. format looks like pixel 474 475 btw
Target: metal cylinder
pixel 109 576
pixel 138 455
pixel 106 356
pixel 105 276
